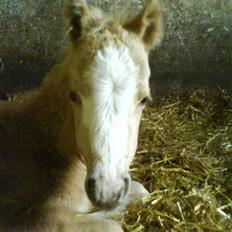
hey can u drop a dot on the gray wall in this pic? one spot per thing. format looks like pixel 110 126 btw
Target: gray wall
pixel 196 50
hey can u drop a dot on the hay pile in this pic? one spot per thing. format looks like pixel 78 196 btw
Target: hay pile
pixel 184 159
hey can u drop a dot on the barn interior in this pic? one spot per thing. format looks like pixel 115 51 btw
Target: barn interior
pixel 185 142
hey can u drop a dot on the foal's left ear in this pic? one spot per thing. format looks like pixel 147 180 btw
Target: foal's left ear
pixel 148 24
pixel 77 13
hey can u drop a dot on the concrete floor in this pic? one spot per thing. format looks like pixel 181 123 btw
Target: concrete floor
pixel 196 50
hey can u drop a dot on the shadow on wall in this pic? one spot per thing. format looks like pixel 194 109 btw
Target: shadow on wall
pixel 30 38
pixel 196 51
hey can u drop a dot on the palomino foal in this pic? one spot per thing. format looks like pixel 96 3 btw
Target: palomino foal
pixel 65 148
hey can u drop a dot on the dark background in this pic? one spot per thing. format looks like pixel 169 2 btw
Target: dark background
pixel 196 51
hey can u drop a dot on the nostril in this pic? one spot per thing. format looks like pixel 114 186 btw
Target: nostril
pixel 90 187
pixel 126 185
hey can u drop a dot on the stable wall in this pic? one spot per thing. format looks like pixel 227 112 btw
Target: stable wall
pixel 196 50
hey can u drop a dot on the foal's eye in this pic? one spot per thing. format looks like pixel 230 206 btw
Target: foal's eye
pixel 144 101
pixel 75 97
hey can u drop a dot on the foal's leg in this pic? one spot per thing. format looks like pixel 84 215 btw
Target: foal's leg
pixel 137 191
pixel 80 225
pixel 68 221
pixel 90 224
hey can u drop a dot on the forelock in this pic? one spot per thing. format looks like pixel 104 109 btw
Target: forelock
pixel 114 75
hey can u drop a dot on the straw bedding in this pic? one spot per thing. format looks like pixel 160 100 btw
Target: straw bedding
pixel 184 159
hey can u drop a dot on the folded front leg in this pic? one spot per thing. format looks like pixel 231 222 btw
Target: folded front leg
pixel 91 224
pixel 137 191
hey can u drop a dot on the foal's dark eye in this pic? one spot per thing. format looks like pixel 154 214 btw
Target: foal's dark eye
pixel 144 101
pixel 75 97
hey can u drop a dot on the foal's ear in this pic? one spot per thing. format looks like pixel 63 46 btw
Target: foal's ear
pixel 76 12
pixel 148 24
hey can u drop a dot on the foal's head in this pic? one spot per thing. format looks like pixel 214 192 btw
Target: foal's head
pixel 109 88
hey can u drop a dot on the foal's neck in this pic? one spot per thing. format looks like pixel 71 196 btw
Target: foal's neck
pixel 54 116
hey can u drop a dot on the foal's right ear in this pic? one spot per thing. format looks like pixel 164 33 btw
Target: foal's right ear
pixel 76 12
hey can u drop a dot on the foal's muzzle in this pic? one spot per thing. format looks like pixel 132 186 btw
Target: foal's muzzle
pixel 105 195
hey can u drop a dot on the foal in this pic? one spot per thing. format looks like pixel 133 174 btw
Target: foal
pixel 65 148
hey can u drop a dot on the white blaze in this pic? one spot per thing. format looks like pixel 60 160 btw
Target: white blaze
pixel 107 111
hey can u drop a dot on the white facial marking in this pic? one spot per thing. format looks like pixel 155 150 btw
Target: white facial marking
pixel 106 111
